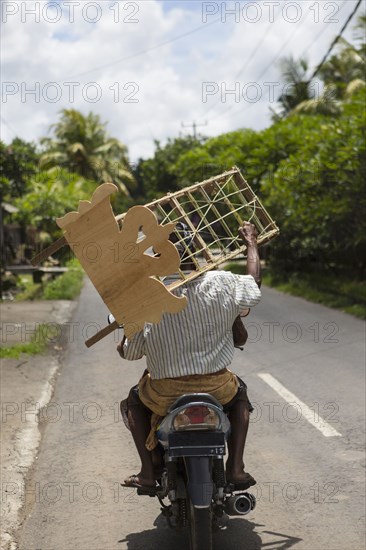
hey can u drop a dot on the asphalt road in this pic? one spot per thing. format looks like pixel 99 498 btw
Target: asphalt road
pixel 306 456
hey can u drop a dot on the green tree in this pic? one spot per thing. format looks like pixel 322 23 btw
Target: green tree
pixel 297 85
pixel 52 194
pixel 348 65
pixel 81 144
pixel 343 74
pixel 342 68
pixel 359 33
pixel 317 194
pixel 257 154
pixel 300 92
pixel 18 162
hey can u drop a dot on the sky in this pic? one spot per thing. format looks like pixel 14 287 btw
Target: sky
pixel 152 68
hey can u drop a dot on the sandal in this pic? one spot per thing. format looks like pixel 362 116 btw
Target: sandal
pixel 133 481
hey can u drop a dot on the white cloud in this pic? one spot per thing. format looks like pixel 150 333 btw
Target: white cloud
pixel 166 81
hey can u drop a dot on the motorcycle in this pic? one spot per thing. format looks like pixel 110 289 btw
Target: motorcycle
pixel 193 436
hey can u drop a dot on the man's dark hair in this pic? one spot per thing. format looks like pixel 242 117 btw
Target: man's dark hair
pixel 182 238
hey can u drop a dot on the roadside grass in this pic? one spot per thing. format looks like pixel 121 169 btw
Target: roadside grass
pixel 30 290
pixel 332 291
pixel 38 343
pixel 65 287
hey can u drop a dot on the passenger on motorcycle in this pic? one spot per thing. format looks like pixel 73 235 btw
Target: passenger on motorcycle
pixel 189 352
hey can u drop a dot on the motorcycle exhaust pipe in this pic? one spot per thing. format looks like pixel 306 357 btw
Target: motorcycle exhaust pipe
pixel 240 505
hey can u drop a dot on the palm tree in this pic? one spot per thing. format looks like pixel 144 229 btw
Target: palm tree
pixel 82 145
pixel 297 85
pixel 343 68
pixel 343 75
pixel 300 97
pixel 359 31
pixel 326 104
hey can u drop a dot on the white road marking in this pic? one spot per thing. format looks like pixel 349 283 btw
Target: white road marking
pixel 326 429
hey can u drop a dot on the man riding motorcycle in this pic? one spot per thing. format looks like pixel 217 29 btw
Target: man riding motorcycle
pixel 189 352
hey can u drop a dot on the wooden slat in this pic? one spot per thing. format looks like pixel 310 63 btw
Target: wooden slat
pixel 43 255
pixel 101 334
pixel 207 267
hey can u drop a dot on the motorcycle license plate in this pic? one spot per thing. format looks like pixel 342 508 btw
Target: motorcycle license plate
pixel 196 444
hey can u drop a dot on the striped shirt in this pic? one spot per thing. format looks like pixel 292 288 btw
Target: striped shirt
pixel 198 339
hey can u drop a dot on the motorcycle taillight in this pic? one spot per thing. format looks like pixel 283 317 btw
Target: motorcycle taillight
pixel 197 413
pixel 196 417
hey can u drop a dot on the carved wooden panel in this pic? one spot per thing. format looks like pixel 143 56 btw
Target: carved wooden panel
pixel 117 262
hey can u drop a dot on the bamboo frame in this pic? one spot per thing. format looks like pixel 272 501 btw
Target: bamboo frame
pixel 213 210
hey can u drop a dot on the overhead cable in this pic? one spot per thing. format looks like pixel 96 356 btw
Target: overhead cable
pixel 247 62
pixel 335 41
pixel 147 50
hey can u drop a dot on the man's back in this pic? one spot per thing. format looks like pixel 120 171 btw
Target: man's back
pixel 197 340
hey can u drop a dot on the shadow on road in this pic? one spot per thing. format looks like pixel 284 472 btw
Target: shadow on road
pixel 240 533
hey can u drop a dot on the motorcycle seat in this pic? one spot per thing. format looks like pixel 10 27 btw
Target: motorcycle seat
pixel 190 397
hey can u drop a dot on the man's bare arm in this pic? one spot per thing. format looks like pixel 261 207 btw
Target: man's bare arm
pixel 240 334
pixel 248 234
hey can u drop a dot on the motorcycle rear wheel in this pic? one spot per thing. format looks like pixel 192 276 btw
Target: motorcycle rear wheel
pixel 200 528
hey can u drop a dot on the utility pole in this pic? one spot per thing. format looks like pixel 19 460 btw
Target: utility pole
pixel 194 125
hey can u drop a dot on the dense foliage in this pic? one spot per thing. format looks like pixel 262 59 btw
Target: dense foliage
pixel 51 194
pixel 18 162
pixel 317 194
pixel 47 181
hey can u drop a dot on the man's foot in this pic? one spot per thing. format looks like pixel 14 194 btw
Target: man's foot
pixel 136 480
pixel 241 480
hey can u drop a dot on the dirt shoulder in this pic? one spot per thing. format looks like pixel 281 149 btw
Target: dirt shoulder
pixel 26 387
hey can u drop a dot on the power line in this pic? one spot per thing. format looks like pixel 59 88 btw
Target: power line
pixel 267 67
pixel 248 60
pixel 279 53
pixel 317 69
pixel 321 32
pixel 147 50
